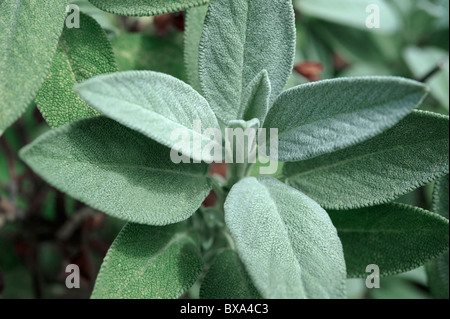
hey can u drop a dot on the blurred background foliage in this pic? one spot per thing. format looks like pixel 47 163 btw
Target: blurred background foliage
pixel 42 230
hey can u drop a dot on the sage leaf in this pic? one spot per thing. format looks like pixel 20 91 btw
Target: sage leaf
pixel 438 269
pixel 228 279
pixel 82 53
pixel 194 21
pixel 322 117
pixel 154 104
pixel 147 262
pixel 286 241
pixel 413 153
pixel 395 237
pixel 28 41
pixel 257 96
pixel 145 7
pixel 118 171
pixel 240 39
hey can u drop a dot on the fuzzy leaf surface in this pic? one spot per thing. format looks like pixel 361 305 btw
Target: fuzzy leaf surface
pixel 240 39
pixel 322 117
pixel 286 241
pixel 413 153
pixel 227 278
pixel 82 53
pixel 145 7
pixel 396 237
pixel 147 262
pixel 118 171
pixel 28 40
pixel 154 104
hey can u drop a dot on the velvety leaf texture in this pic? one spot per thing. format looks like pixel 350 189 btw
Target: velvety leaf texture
pixel 82 53
pixel 240 39
pixel 396 237
pixel 146 262
pixel 285 240
pixel 28 40
pixel 118 171
pixel 228 279
pixel 413 153
pixel 322 117
pixel 438 269
pixel 146 7
pixel 194 20
pixel 154 104
pixel 257 96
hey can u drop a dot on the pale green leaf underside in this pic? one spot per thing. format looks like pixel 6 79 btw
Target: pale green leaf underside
pixel 147 262
pixel 257 98
pixel 194 20
pixel 145 7
pixel 285 240
pixel 322 117
pixel 154 104
pixel 438 269
pixel 396 237
pixel 118 171
pixel 413 153
pixel 240 39
pixel 28 40
pixel 228 279
pixel 82 53
pixel 351 13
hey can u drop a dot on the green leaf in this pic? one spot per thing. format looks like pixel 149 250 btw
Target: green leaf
pixel 421 61
pixel 135 51
pixel 118 171
pixel 82 53
pixel 146 262
pixel 396 237
pixel 438 269
pixel 145 7
pixel 228 279
pixel 153 104
pixel 322 117
pixel 350 12
pixel 28 41
pixel 257 95
pixel 194 20
pixel 413 153
pixel 240 39
pixel 286 241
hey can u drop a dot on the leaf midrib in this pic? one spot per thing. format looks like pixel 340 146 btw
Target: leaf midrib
pixel 334 116
pixel 137 167
pixel 358 158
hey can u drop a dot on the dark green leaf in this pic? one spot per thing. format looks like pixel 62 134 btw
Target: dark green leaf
pixel 82 53
pixel 395 237
pixel 146 262
pixel 228 279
